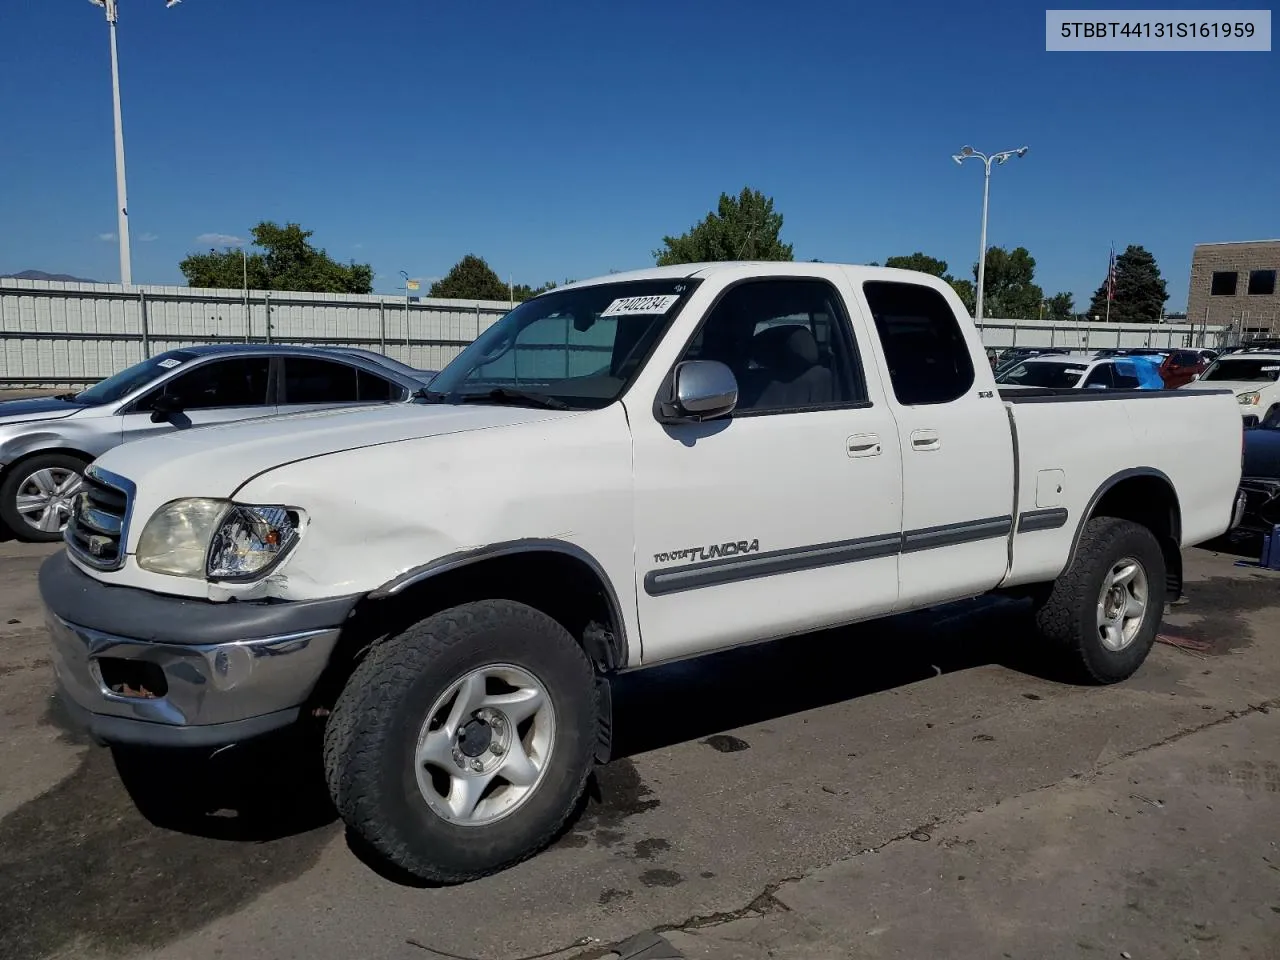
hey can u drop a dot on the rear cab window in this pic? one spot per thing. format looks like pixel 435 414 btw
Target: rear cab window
pixel 924 347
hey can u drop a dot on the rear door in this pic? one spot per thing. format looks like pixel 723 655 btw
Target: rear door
pixel 314 383
pixel 957 451
pixel 214 391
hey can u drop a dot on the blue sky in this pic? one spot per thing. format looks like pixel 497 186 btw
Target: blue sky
pixel 565 139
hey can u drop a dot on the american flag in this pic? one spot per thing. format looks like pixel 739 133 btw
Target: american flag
pixel 1111 275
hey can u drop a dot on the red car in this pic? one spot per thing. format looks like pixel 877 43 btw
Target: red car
pixel 1183 366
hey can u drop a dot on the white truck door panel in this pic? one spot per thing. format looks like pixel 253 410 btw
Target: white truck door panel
pixel 957 451
pixel 783 517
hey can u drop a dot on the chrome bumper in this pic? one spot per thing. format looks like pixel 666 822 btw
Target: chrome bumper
pixel 1237 513
pixel 185 694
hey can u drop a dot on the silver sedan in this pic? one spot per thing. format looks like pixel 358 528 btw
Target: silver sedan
pixel 46 442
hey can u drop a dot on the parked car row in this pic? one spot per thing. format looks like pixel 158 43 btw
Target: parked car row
pixel 46 442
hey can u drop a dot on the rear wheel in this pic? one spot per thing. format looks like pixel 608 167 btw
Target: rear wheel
pixel 37 494
pixel 1102 614
pixel 462 745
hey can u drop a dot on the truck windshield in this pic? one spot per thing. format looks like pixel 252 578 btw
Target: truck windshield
pixel 130 379
pixel 1244 369
pixel 1041 375
pixel 576 348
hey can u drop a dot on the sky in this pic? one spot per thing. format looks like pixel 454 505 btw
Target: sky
pixel 563 140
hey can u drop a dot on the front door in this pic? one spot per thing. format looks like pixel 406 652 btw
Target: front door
pixel 215 391
pixel 314 383
pixel 957 449
pixel 785 515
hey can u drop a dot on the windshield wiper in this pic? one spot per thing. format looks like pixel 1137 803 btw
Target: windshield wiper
pixel 431 396
pixel 515 398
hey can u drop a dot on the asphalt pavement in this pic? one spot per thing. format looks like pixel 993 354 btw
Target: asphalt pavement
pixel 910 788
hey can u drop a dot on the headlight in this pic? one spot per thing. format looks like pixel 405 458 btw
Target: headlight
pixel 176 539
pixel 1249 399
pixel 216 539
pixel 250 541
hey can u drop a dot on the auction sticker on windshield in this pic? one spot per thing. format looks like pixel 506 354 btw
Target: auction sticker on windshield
pixel 629 305
pixel 169 364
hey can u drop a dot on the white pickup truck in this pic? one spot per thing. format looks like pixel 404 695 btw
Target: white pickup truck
pixel 619 472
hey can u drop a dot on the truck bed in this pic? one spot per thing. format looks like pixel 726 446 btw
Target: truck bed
pixel 1073 445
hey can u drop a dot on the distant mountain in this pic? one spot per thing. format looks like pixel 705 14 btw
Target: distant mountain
pixel 41 275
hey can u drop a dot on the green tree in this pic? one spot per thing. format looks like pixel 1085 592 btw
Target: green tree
pixel 471 278
pixel 920 262
pixel 289 262
pixel 741 228
pixel 1011 292
pixel 1140 293
pixel 1061 306
pixel 924 263
pixel 523 292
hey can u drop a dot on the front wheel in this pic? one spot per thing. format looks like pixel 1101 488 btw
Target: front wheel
pixel 37 494
pixel 1102 614
pixel 461 746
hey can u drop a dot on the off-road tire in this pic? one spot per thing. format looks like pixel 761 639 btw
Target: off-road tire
pixel 9 493
pixel 1067 619
pixel 372 733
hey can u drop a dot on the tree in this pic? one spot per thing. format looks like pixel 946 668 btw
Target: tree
pixel 523 292
pixel 1011 292
pixel 289 262
pixel 1140 293
pixel 924 263
pixel 1061 306
pixel 742 228
pixel 920 262
pixel 471 278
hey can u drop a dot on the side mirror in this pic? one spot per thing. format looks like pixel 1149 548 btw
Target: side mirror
pixel 163 408
pixel 704 390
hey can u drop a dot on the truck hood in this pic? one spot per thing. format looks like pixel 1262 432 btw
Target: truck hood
pixel 36 408
pixel 1235 386
pixel 215 461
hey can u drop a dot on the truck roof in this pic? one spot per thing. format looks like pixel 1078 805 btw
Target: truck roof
pixel 762 267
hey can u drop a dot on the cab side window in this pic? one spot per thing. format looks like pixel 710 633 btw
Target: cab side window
pixel 1099 376
pixel 924 347
pixel 787 342
pixel 234 382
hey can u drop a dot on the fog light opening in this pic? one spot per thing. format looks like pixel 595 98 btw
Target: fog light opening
pixel 133 678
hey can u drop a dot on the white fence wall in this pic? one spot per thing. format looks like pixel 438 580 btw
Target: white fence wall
pixel 54 334
pixel 1098 336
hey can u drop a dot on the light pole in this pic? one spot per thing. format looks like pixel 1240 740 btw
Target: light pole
pixel 122 199
pixel 999 158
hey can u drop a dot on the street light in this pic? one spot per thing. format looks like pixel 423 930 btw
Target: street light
pixel 968 153
pixel 122 200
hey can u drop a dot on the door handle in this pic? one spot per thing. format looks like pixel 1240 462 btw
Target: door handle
pixel 863 445
pixel 925 440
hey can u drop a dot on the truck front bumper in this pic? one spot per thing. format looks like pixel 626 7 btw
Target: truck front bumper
pixel 141 668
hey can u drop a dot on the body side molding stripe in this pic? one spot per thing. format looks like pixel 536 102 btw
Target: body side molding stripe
pixel 712 573
pixel 953 534
pixel 1048 519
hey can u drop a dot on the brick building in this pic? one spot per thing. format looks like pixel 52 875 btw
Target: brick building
pixel 1238 284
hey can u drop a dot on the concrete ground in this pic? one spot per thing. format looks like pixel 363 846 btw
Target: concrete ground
pixel 906 789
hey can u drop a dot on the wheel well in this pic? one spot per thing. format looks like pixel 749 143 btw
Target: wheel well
pixel 565 587
pixel 49 451
pixel 1148 500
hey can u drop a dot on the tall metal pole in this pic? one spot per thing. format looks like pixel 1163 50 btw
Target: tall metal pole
pixel 122 199
pixel 982 247
pixel 244 263
pixel 968 153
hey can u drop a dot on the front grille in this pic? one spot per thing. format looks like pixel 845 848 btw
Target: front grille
pixel 99 523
